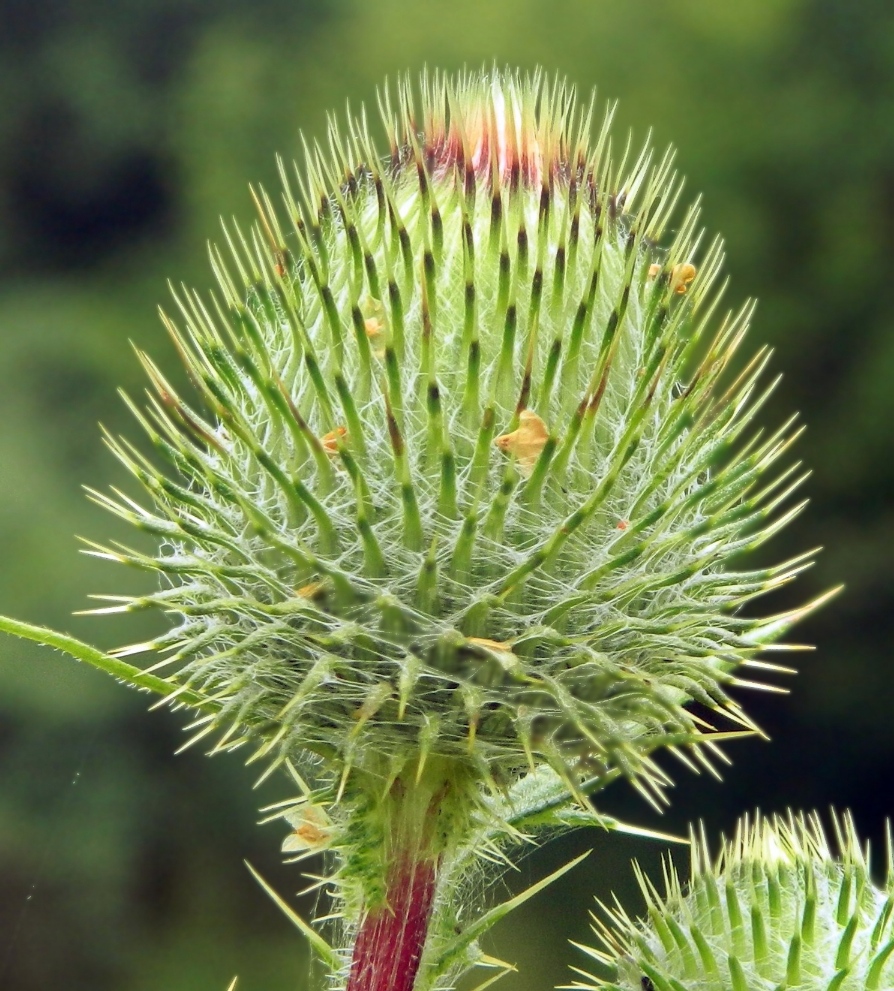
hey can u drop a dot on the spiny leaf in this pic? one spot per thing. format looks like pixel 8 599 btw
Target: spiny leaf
pixel 105 662
pixel 475 929
pixel 319 945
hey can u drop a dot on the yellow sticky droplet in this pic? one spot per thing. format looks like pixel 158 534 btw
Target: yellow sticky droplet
pixel 491 644
pixel 527 441
pixel 280 266
pixel 373 318
pixel 312 830
pixel 500 650
pixel 310 591
pixel 375 325
pixel 681 276
pixel 330 440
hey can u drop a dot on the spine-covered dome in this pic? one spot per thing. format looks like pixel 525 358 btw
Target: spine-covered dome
pixel 450 526
pixel 777 909
pixel 468 464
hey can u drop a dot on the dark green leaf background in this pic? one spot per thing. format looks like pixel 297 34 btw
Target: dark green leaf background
pixel 126 128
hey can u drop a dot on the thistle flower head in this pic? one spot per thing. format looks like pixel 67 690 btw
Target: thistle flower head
pixel 466 470
pixel 776 909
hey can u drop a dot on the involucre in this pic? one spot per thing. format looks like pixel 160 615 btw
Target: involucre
pixel 776 910
pixel 451 524
pixel 464 476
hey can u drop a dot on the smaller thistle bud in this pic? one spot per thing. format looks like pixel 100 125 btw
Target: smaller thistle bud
pixel 775 910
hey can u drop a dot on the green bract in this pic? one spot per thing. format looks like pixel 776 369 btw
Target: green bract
pixel 464 474
pixel 775 911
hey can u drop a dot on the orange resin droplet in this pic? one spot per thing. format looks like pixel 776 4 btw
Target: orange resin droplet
pixel 527 441
pixel 311 590
pixel 312 830
pixel 490 644
pixel 681 276
pixel 330 440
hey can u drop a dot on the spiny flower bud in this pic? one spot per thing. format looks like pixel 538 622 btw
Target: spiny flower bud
pixel 775 910
pixel 466 472
pixel 448 532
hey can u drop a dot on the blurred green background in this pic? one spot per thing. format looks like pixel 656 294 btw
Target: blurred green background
pixel 126 128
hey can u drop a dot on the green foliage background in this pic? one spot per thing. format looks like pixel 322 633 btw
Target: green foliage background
pixel 126 128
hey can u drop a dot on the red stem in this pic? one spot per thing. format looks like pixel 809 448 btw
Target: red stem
pixel 389 945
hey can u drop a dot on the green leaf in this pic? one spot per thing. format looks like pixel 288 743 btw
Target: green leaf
pixel 133 676
pixel 323 950
pixel 498 912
